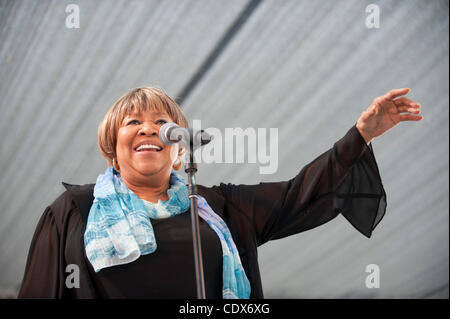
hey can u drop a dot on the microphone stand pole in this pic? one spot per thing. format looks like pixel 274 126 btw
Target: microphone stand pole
pixel 190 169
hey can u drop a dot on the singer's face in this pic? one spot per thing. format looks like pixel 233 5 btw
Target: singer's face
pixel 140 152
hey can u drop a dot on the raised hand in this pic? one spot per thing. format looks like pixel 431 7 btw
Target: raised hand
pixel 387 111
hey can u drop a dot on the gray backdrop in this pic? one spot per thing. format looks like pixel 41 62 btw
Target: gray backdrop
pixel 308 68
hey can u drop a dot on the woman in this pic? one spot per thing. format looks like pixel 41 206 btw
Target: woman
pixel 129 235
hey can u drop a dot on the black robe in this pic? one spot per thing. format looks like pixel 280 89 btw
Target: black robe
pixel 343 180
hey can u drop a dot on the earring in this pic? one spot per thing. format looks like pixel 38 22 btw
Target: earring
pixel 115 165
pixel 177 166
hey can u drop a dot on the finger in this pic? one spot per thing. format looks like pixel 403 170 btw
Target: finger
pixel 372 109
pixel 392 94
pixel 405 101
pixel 409 117
pixel 405 108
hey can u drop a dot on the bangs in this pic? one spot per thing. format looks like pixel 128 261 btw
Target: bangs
pixel 142 100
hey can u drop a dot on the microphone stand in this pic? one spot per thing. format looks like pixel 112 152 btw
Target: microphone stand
pixel 190 169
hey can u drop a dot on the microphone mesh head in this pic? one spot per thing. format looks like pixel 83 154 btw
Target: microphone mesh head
pixel 164 133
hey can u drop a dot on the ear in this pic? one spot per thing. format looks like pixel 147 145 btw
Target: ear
pixel 181 152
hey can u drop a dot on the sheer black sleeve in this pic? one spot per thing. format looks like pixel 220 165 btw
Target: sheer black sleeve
pixel 345 179
pixel 43 276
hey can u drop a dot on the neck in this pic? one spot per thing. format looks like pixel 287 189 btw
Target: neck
pixel 151 192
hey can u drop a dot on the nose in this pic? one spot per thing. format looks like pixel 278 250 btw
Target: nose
pixel 149 129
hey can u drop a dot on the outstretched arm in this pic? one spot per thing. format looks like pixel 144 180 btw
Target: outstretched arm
pixel 345 179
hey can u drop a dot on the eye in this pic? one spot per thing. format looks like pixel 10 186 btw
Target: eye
pixel 133 122
pixel 161 121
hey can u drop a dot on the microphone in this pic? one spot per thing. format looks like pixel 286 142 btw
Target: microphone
pixel 171 133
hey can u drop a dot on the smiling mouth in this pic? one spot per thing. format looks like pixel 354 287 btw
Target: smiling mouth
pixel 148 148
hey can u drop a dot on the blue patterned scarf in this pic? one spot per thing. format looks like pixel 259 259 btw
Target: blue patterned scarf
pixel 119 229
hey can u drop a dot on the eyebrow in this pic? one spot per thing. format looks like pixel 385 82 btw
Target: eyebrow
pixel 140 114
pixel 134 114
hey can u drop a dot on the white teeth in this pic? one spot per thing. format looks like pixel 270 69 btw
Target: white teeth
pixel 144 146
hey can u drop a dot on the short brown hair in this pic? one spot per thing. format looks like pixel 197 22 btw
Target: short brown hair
pixel 137 100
